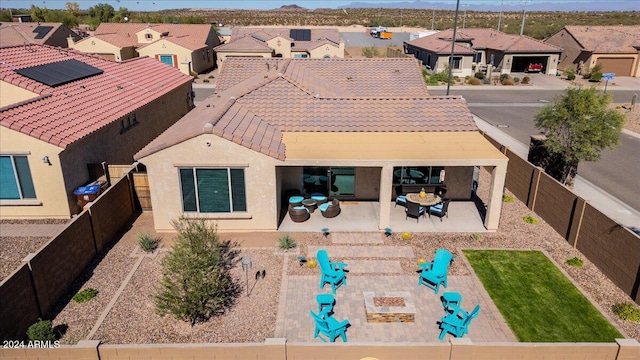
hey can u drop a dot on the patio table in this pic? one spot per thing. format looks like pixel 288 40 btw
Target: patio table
pixel 428 200
pixel 310 204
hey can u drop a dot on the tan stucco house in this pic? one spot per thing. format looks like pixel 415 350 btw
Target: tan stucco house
pixel 615 48
pixel 316 43
pixel 481 47
pixel 23 33
pixel 272 123
pixel 187 47
pixel 62 110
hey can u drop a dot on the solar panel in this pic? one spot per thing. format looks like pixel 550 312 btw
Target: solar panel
pixel 60 73
pixel 300 34
pixel 42 31
pixel 257 37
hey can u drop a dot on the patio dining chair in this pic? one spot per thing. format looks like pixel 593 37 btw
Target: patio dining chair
pixel 457 323
pixel 332 272
pixel 440 210
pixel 329 327
pixel 414 210
pixel 434 273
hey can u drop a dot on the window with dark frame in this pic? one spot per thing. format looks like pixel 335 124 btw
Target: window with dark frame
pixel 419 175
pixel 15 178
pixel 213 190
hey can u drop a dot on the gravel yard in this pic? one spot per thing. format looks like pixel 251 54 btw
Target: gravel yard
pixel 133 318
pixel 14 249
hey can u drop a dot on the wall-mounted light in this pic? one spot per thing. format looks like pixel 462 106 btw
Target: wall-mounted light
pixel 45 159
pixel 441 176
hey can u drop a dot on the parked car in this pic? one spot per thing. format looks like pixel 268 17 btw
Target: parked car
pixel 534 67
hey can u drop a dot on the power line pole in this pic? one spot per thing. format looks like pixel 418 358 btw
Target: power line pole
pixel 524 16
pixel 453 44
pixel 433 18
pixel 500 17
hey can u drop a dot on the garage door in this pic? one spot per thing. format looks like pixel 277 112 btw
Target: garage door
pixel 619 66
pixel 520 63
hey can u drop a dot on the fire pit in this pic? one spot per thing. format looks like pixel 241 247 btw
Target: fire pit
pixel 384 307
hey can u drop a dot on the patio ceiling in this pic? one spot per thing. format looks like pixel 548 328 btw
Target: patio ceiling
pixel 464 148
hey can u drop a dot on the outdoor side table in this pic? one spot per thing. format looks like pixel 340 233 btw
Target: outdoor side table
pixel 325 300
pixel 310 204
pixel 451 298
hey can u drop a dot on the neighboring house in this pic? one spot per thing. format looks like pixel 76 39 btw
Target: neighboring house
pixel 188 47
pixel 282 42
pixel 483 47
pixel 21 18
pixel 273 123
pixel 615 48
pixel 62 110
pixel 22 33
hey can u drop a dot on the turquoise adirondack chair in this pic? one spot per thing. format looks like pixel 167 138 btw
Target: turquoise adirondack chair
pixel 329 327
pixel 457 323
pixel 434 273
pixel 332 272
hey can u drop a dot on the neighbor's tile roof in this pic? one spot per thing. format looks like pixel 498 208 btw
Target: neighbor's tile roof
pixel 190 36
pixel 607 39
pixel 245 44
pixel 12 33
pixel 319 37
pixel 67 113
pixel 307 95
pixel 439 46
pixel 482 38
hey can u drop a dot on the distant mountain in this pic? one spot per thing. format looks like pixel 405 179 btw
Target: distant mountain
pixel 291 8
pixel 620 5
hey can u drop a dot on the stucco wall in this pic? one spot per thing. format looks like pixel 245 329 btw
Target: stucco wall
pixel 51 199
pixel 465 66
pixel 208 150
pixel 12 94
pixel 327 50
pixel 110 145
pixel 187 59
pixel 570 48
pixel 283 48
pixel 93 45
pixel 367 183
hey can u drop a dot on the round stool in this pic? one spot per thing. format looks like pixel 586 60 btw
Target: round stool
pixel 296 200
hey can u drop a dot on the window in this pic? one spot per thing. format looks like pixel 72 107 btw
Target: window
pixel 301 56
pixel 456 62
pixel 148 36
pixel 206 190
pixel 167 59
pixel 421 175
pixel 477 58
pixel 15 178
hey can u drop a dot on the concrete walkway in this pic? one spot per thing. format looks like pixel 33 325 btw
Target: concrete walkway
pixel 33 230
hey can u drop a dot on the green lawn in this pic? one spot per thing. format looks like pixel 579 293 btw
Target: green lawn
pixel 538 302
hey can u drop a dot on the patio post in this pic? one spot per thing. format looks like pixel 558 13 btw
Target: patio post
pixel 386 186
pixel 498 176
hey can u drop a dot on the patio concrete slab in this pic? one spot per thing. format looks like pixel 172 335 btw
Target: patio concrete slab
pixel 297 325
pixel 463 217
pixel 356 238
pixel 374 267
pixel 354 216
pixel 339 251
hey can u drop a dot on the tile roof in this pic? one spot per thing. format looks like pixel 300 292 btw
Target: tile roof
pixel 67 113
pixel 319 37
pixel 440 46
pixel 483 38
pixel 334 77
pixel 12 33
pixel 244 44
pixel 607 39
pixel 190 36
pixel 263 103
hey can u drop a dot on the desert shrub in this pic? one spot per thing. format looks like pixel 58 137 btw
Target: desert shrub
pixel 205 80
pixel 194 74
pixel 626 311
pixel 42 331
pixel 479 75
pixel 526 80
pixel 570 72
pixel 507 198
pixel 425 73
pixel 474 81
pixel 456 78
pixel 466 78
pixel 147 242
pixel 575 262
pixel 586 76
pixel 516 80
pixel 508 82
pixel 476 236
pixel 370 52
pixel 596 77
pixel 286 242
pixel 530 219
pixel 486 81
pixel 197 283
pixel 211 77
pixel 504 77
pixel 85 295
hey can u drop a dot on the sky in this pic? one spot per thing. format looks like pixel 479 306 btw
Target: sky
pixel 151 5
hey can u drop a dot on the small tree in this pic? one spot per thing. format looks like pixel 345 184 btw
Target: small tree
pixel 197 282
pixel 577 126
pixel 370 52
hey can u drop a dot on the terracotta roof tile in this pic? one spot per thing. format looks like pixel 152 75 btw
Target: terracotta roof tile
pixel 607 39
pixel 76 109
pixel 13 34
pixel 255 111
pixel 244 44
pixel 239 37
pixel 483 38
pixel 190 36
pixel 270 33
pixel 440 46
